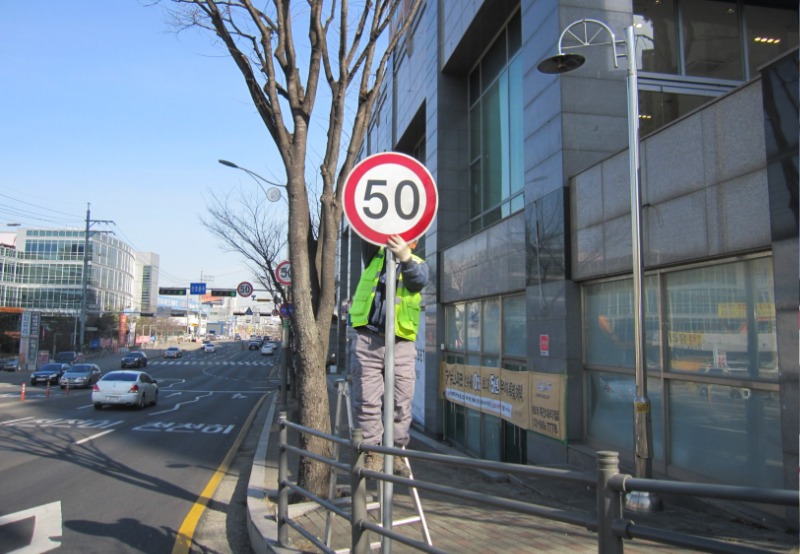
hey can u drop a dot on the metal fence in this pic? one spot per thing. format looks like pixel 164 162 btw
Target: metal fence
pixel 609 484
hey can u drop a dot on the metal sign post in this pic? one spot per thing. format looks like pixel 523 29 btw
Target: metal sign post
pixel 388 396
pixel 389 194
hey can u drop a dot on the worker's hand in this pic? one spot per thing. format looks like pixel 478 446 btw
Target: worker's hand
pixel 399 248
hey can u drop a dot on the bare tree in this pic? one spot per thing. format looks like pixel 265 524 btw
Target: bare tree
pixel 247 229
pixel 348 52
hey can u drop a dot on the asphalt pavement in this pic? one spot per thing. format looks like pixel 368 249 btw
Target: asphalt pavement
pixel 463 527
pixel 459 526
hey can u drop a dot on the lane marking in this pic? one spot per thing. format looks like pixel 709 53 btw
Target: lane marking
pixel 183 539
pixel 10 421
pixel 98 435
pixel 46 528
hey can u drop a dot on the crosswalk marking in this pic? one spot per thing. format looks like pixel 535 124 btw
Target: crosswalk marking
pixel 207 362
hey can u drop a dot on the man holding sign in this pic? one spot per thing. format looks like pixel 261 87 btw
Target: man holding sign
pixel 368 318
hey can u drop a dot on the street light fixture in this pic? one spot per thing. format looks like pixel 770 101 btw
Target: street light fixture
pixel 585 32
pixel 272 194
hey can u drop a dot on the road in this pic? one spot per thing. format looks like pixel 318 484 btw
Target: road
pixel 121 479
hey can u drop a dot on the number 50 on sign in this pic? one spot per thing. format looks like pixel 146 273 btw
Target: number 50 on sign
pixel 390 194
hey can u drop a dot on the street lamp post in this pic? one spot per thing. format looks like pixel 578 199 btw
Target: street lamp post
pixel 272 194
pixel 583 33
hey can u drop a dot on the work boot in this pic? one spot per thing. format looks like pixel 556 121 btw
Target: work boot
pixel 400 467
pixel 373 461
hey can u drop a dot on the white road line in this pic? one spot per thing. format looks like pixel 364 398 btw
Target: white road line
pixel 98 435
pixel 46 528
pixel 10 421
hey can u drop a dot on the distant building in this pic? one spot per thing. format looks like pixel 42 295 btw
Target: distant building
pixel 145 283
pixel 45 272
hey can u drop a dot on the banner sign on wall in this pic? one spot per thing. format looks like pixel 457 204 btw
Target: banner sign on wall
pixel 532 401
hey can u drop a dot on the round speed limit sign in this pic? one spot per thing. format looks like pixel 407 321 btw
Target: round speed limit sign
pixel 390 194
pixel 283 273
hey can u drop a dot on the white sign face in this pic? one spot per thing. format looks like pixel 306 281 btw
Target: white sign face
pixel 283 273
pixel 390 194
pixel 244 289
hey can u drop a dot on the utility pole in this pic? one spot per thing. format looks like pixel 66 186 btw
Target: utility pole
pixel 85 276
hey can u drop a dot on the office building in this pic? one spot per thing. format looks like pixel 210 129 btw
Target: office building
pixel 528 348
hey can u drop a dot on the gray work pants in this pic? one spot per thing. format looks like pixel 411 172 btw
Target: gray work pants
pixel 366 369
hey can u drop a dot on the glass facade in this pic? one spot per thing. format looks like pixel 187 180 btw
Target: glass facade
pixel 45 272
pixel 496 137
pixel 711 375
pixel 490 333
pixel 690 52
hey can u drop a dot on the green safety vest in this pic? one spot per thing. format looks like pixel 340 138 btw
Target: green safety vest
pixel 407 303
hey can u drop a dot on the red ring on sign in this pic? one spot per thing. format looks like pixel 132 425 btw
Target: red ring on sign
pixel 429 190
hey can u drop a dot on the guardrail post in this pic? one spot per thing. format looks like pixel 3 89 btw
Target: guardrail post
pixel 358 485
pixel 609 504
pixel 283 475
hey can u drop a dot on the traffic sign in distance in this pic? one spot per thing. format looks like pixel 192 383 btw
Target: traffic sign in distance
pixel 244 289
pixel 283 273
pixel 223 292
pixel 390 194
pixel 171 292
pixel 197 288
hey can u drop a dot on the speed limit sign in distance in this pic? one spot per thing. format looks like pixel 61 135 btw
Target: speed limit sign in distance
pixel 390 194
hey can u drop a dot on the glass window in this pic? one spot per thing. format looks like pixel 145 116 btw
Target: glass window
pixel 514 326
pixel 770 33
pixel 718 42
pixel 492 439
pixel 722 320
pixel 657 108
pixel 654 27
pixel 730 434
pixel 610 410
pixel 711 41
pixel 456 330
pixel 608 324
pixel 473 444
pixel 491 326
pixel 473 315
pixel 494 141
pixel 496 135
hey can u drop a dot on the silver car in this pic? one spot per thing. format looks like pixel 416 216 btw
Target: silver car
pixel 80 376
pixel 125 388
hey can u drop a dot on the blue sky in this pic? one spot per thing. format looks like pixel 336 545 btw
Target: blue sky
pixel 102 103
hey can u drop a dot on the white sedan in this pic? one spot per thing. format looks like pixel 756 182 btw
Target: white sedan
pixel 267 350
pixel 209 347
pixel 125 388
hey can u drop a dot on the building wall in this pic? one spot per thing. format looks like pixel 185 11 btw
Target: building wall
pixel 704 177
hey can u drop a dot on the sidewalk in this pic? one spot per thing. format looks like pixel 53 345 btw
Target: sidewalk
pixel 462 527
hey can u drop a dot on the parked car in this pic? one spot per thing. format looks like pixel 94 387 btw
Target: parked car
pixel 80 376
pixel 68 357
pixel 267 350
pixel 134 359
pixel 125 388
pixel 10 364
pixel 254 345
pixel 173 352
pixel 49 373
pixel 210 347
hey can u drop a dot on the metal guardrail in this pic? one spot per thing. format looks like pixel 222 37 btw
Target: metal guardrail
pixel 610 486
